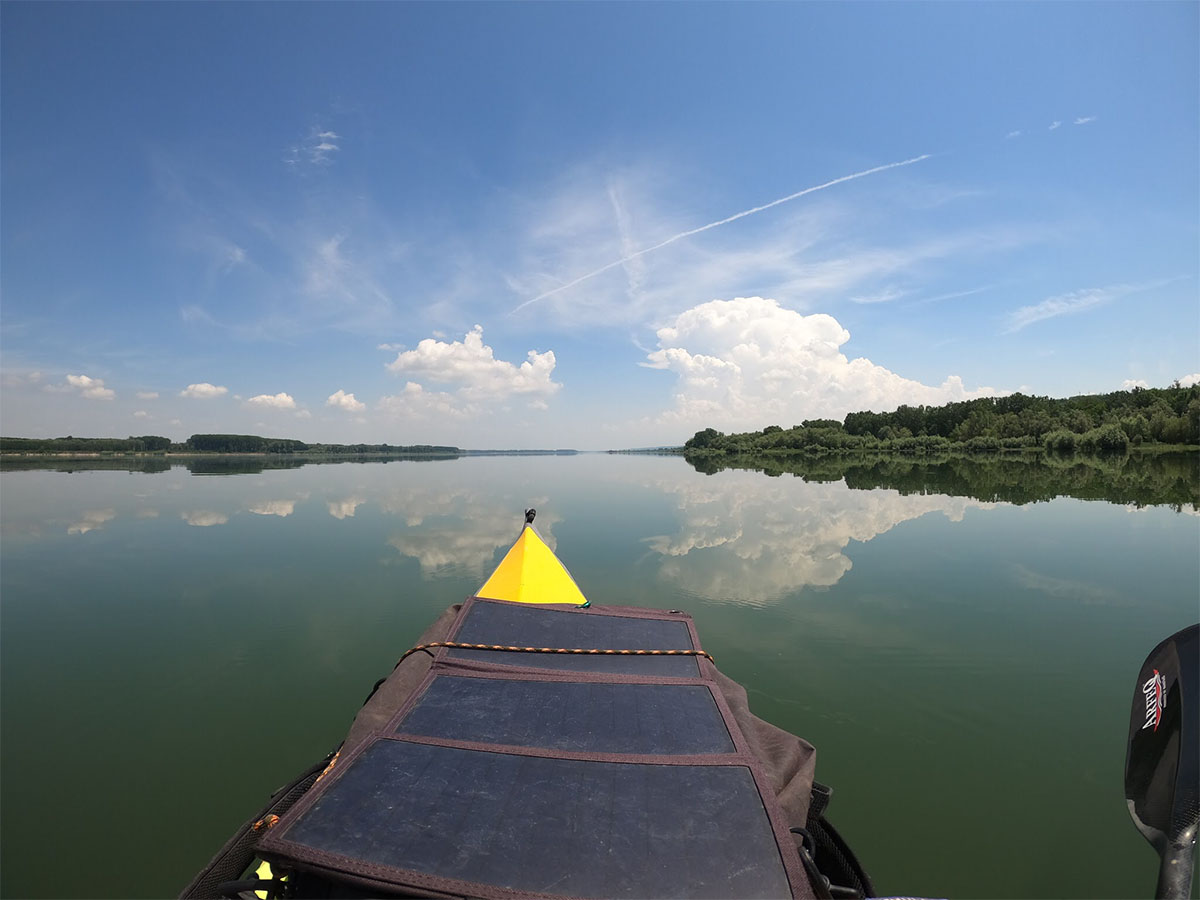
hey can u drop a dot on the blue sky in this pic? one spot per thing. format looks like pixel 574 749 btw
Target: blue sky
pixel 540 225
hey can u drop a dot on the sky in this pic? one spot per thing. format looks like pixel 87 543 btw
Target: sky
pixel 590 225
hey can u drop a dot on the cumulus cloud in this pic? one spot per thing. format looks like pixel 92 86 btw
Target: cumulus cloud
pixel 1130 383
pixel 273 401
pixel 141 414
pixel 203 390
pixel 1188 381
pixel 471 369
pixel 147 395
pixel 749 362
pixel 342 400
pixel 416 402
pixel 1083 120
pixel 92 388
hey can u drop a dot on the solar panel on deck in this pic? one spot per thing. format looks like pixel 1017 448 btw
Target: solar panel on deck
pixel 590 717
pixel 559 826
pixel 516 625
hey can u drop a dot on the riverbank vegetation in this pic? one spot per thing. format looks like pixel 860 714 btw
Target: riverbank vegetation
pixel 1163 478
pixel 1092 424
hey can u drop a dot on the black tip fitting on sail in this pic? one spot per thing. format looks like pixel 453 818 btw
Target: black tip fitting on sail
pixel 529 514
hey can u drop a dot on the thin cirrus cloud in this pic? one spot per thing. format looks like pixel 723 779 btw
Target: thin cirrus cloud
pixel 203 391
pixel 273 401
pixel 342 400
pixel 1083 120
pixel 630 257
pixel 748 362
pixel 316 149
pixel 470 368
pixel 1073 303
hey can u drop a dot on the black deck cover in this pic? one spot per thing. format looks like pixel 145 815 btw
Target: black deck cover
pixel 511 774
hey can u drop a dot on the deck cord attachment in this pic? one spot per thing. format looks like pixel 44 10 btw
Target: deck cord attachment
pixel 579 651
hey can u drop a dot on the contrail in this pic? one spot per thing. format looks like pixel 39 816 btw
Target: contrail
pixel 726 221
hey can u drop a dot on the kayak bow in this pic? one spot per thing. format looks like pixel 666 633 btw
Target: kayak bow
pixel 531 573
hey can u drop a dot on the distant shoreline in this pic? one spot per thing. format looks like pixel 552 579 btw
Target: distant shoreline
pixel 299 454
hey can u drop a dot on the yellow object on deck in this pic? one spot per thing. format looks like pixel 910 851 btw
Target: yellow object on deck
pixel 531 573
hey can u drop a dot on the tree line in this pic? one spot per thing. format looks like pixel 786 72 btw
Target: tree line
pixel 208 443
pixel 1090 423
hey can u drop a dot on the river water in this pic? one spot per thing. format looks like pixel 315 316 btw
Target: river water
pixel 176 643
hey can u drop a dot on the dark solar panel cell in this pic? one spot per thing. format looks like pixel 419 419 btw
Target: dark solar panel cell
pixel 530 626
pixel 579 828
pixel 563 715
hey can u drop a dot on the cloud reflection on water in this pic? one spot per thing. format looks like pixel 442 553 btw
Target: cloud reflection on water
pixel 204 518
pixel 91 520
pixel 747 539
pixel 460 530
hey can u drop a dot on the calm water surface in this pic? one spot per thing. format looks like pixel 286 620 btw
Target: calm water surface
pixel 174 647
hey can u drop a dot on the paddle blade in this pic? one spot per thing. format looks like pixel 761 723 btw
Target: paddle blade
pixel 1162 781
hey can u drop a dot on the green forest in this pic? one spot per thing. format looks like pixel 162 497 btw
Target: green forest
pixel 1091 423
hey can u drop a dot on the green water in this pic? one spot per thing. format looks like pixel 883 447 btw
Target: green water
pixel 175 646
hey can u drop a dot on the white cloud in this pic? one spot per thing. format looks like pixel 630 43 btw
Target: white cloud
pixel 92 388
pixel 203 390
pixel 1130 383
pixel 1013 134
pixel 1083 120
pixel 273 401
pixel 748 362
pixel 147 395
pixel 1188 381
pixel 303 414
pixel 141 414
pixel 470 366
pixel 416 402
pixel 345 401
pixel 1055 124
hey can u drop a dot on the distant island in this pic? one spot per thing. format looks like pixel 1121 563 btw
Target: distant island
pixel 239 445
pixel 1113 423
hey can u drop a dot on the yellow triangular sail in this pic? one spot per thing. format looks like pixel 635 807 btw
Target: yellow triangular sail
pixel 531 573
